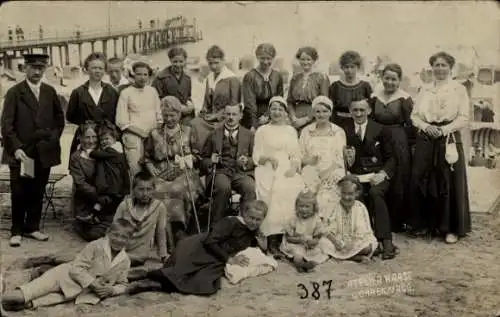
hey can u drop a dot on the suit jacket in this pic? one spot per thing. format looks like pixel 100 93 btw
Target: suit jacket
pixel 214 145
pixel 374 153
pixel 35 126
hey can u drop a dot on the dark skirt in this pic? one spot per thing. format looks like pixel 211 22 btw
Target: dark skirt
pixel 400 182
pixel 439 197
pixel 192 270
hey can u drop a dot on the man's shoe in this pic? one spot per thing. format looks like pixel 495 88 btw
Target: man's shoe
pixel 15 241
pixel 37 235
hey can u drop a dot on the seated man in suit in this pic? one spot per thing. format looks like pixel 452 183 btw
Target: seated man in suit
pixel 374 164
pixel 229 150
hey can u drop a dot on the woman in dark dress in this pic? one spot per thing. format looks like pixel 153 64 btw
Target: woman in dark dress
pixel 173 81
pixel 94 100
pixel 199 261
pixel 438 188
pixel 349 88
pixel 304 87
pixel 259 85
pixel 392 107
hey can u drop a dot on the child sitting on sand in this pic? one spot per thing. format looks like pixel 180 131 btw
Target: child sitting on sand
pixel 150 218
pixel 112 176
pixel 349 232
pixel 98 271
pixel 303 233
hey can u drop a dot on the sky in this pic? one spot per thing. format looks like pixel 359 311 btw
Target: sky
pixel 407 31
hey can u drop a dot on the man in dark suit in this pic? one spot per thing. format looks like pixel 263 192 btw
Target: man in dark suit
pixel 229 150
pixel 374 163
pixel 32 124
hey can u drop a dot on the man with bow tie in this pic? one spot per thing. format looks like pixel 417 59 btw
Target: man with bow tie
pixel 32 124
pixel 229 150
pixel 374 164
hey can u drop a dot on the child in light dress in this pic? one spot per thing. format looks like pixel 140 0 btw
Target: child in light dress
pixel 348 230
pixel 303 234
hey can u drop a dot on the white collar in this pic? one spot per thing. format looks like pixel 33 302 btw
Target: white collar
pixel 34 87
pixel 380 95
pixel 122 255
pixel 117 146
pixel 225 73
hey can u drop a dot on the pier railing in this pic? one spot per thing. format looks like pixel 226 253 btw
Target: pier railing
pixel 179 27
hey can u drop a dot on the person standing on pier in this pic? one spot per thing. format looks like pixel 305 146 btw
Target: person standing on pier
pixel 173 81
pixel 115 73
pixel 137 114
pixel 95 100
pixel 10 32
pixel 40 32
pixel 32 123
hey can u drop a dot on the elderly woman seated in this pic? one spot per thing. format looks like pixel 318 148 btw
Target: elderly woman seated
pixel 168 157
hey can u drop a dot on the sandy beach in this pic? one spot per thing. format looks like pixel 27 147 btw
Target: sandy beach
pixel 428 278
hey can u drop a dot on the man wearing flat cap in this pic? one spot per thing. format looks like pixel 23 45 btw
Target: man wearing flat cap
pixel 32 124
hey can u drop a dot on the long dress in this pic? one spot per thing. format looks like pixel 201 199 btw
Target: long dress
pixel 308 228
pixel 276 190
pixel 323 177
pixel 342 95
pixel 172 185
pixel 352 227
pixel 439 191
pixel 199 261
pixel 394 113
pixel 302 91
pixel 257 90
pixel 225 90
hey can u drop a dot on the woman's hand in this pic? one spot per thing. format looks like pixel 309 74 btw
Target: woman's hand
pixel 152 169
pixel 264 159
pixel 311 160
pixel 263 120
pixel 339 244
pixel 311 243
pixel 104 291
pixel 433 131
pixel 241 260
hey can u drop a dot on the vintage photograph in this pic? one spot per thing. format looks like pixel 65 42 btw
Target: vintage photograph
pixel 250 158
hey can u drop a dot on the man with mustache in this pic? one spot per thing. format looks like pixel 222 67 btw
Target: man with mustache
pixel 32 124
pixel 229 150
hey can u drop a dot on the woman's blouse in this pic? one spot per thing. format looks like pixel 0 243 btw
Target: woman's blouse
pixel 343 95
pixel 257 90
pixel 82 107
pixel 221 91
pixel 304 88
pixel 394 110
pixel 228 237
pixel 445 102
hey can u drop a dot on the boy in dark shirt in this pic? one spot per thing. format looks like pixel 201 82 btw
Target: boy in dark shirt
pixel 111 173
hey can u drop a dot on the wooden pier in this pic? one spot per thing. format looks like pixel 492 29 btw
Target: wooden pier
pixel 144 40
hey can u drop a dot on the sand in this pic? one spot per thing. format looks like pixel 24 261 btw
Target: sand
pixel 432 280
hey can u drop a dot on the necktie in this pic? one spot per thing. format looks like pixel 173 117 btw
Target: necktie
pixel 231 135
pixel 358 133
pixel 36 92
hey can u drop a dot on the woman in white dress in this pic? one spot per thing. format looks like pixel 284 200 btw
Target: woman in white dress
pixel 322 144
pixel 277 179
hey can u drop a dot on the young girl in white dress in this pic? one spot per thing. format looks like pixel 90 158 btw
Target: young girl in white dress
pixel 303 234
pixel 348 230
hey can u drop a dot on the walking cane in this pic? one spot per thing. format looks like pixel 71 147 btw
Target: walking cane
pixel 190 188
pixel 211 199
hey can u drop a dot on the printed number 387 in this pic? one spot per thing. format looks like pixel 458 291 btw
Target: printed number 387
pixel 315 291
